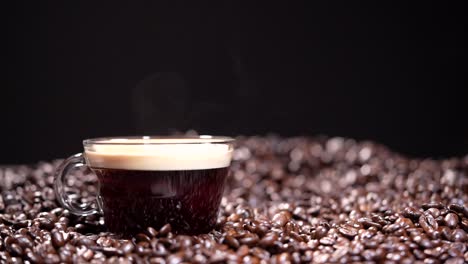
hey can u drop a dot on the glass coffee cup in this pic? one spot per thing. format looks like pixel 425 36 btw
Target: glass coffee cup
pixel 151 181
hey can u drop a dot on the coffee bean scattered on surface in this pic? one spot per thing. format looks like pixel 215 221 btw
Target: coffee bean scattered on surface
pixel 288 200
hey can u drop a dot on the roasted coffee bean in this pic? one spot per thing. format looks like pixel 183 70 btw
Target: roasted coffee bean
pixel 281 218
pixel 367 222
pixel 242 250
pixel 60 226
pixel 160 250
pixel 268 240
pixel 165 230
pixel 7 221
pixel 391 228
pixel 459 235
pixel 348 231
pixel 15 249
pixel 379 219
pixel 47 215
pixel 262 229
pixel 464 224
pixel 327 241
pixel 45 223
pixel 296 236
pixel 24 241
pixel 127 247
pixel 451 220
pixel 142 237
pixel 249 240
pixel 319 232
pixel 151 232
pixel 88 255
pixel 428 223
pixel 426 206
pixel 405 222
pixel 426 243
pixel 110 251
pixel 459 209
pixel 9 239
pixel 57 238
pixel 231 241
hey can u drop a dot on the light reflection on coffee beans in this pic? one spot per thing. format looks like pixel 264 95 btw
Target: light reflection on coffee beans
pixel 288 200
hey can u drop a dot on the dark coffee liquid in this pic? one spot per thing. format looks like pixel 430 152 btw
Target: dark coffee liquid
pixel 188 199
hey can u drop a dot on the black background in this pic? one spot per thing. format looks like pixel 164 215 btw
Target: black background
pixel 385 72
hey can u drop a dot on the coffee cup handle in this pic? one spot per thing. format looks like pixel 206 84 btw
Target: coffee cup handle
pixel 76 161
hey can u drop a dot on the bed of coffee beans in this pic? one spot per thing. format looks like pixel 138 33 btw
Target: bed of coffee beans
pixel 288 200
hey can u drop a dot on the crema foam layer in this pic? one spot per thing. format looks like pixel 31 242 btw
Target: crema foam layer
pixel 166 155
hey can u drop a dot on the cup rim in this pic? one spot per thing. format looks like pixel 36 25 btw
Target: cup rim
pixel 158 140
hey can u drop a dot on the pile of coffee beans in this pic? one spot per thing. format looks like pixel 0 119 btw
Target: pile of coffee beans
pixel 288 200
